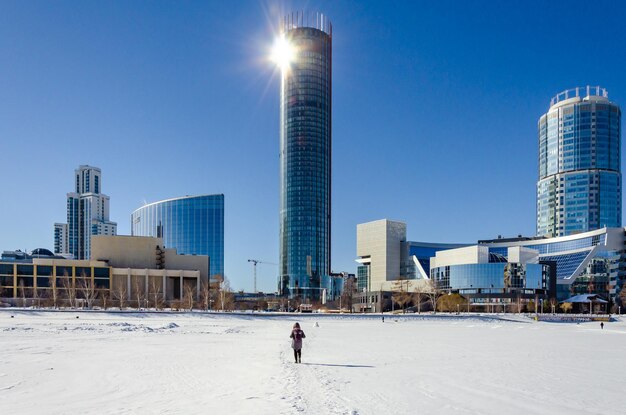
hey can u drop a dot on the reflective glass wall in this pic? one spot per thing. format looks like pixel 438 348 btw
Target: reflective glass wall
pixel 492 278
pixel 194 225
pixel 579 187
pixel 305 161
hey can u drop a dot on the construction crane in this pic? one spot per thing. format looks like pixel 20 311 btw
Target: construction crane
pixel 258 261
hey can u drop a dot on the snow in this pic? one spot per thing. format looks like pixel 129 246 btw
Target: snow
pixel 133 363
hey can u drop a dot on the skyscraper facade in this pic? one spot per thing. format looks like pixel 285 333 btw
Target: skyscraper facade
pixel 61 244
pixel 305 157
pixel 193 225
pixel 580 181
pixel 87 215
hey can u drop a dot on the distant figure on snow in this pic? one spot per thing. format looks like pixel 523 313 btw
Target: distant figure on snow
pixel 296 337
pixel 601 325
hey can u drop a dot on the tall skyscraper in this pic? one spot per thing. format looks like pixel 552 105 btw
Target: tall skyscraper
pixel 194 225
pixel 87 214
pixel 61 243
pixel 305 156
pixel 580 180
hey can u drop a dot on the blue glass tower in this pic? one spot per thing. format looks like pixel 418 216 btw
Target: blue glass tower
pixel 305 157
pixel 580 180
pixel 194 225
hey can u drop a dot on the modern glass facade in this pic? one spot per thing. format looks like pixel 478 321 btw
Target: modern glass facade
pixel 194 225
pixel 305 158
pixel 363 278
pixel 579 187
pixel 422 252
pixel 496 280
pixel 585 263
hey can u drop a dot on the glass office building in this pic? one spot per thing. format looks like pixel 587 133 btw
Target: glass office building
pixel 579 187
pixel 305 157
pixel 194 225
pixel 493 282
pixel 500 270
pixel 586 262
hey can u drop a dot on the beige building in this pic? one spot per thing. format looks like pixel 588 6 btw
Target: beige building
pixel 131 267
pixel 379 246
pixel 142 264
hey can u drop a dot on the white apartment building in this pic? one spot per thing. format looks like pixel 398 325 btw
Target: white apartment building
pixel 87 214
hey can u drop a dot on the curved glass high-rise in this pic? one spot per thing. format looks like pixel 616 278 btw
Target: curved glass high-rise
pixel 305 157
pixel 194 225
pixel 580 180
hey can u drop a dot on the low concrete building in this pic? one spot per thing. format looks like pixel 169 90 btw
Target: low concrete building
pixel 130 268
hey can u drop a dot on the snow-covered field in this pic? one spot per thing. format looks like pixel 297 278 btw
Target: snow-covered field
pixel 134 363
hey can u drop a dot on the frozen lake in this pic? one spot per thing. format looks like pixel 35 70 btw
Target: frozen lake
pixel 54 363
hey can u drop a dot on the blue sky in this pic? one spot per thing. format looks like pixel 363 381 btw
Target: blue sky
pixel 435 107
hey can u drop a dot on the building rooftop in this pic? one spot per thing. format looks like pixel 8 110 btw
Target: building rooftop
pixel 580 92
pixel 518 238
pixel 299 19
pixel 178 198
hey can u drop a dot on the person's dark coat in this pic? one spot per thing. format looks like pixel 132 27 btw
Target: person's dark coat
pixel 296 335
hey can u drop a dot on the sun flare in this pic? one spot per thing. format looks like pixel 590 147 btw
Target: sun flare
pixel 282 52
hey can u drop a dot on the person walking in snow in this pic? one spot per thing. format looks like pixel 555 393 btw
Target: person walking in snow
pixel 296 342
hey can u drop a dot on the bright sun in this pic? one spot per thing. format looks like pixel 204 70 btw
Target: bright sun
pixel 282 52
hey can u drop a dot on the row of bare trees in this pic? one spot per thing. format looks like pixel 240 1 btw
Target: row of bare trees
pixel 403 295
pixel 82 292
pixel 210 297
pixel 431 295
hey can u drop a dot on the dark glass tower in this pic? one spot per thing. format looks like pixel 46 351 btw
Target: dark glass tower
pixel 305 157
pixel 580 180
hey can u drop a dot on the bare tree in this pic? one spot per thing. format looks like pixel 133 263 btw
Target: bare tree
pixel 70 290
pixel 176 305
pixel 205 295
pixel 417 298
pixel 226 297
pixel 138 287
pixel 39 294
pixel 189 295
pixel 54 291
pixel 553 304
pixel 347 296
pixel 22 291
pixel 214 300
pixel 120 292
pixel 433 293
pixel 87 289
pixel 104 298
pixel 401 294
pixel 155 293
